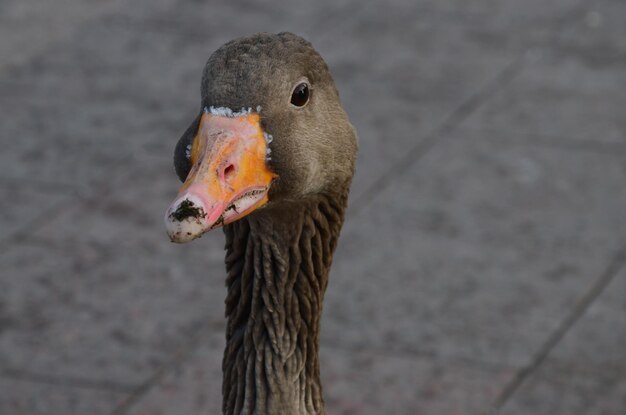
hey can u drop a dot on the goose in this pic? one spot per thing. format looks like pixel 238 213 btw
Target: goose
pixel 270 159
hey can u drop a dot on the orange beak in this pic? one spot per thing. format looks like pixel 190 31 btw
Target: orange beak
pixel 229 177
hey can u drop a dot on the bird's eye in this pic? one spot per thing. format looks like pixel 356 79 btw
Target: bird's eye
pixel 300 95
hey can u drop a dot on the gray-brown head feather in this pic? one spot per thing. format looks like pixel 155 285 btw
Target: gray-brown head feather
pixel 314 147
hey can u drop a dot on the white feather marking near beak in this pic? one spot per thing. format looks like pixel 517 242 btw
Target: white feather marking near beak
pixel 228 112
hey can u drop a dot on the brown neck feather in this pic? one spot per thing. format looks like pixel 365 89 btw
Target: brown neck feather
pixel 277 262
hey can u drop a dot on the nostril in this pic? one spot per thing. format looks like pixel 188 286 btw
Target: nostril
pixel 228 170
pixel 225 171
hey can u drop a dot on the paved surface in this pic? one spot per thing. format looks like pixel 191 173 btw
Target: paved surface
pixel 482 266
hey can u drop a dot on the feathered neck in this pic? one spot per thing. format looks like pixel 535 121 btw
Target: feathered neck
pixel 277 262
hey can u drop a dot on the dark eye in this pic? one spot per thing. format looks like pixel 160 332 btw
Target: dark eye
pixel 300 95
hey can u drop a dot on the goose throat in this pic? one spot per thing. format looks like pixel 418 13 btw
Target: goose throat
pixel 277 271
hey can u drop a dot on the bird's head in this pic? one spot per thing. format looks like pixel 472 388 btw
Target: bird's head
pixel 271 129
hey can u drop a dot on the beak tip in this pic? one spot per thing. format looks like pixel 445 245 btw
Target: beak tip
pixel 181 234
pixel 185 220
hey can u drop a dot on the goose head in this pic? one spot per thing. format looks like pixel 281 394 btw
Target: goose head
pixel 271 130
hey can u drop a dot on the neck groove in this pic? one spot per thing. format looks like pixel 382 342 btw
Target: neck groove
pixel 277 264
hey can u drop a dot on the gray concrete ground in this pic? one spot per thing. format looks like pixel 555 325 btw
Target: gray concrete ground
pixel 482 266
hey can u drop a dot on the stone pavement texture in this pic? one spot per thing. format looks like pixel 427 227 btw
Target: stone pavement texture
pixel 482 267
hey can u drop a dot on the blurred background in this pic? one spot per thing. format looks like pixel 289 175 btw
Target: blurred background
pixel 481 266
